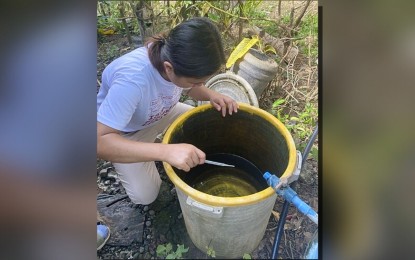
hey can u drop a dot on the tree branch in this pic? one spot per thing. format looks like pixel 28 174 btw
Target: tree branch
pixel 297 22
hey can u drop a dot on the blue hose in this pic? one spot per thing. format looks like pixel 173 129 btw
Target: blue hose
pixel 291 196
pixel 313 253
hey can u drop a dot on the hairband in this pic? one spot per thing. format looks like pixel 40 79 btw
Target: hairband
pixel 162 40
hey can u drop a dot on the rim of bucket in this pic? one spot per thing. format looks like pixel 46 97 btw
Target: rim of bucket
pixel 229 75
pixel 230 201
pixel 269 63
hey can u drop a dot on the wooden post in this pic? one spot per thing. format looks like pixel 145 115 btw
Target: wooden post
pixel 241 14
pixel 124 22
pixel 168 8
pixel 102 10
pixel 139 12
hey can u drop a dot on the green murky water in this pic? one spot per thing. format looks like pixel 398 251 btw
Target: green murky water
pixel 242 180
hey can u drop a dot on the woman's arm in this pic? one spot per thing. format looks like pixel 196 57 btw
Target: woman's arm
pixel 113 147
pixel 219 101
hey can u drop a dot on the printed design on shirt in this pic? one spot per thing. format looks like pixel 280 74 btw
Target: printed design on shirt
pixel 161 106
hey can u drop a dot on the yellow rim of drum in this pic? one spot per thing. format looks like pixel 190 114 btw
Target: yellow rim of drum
pixel 230 201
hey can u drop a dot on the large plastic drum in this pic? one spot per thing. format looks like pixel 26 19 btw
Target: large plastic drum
pixel 231 226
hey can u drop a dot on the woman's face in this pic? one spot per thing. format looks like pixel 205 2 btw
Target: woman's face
pixel 184 82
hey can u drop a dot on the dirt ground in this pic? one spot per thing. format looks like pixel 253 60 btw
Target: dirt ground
pixel 137 230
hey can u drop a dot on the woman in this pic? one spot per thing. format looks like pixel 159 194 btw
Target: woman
pixel 139 98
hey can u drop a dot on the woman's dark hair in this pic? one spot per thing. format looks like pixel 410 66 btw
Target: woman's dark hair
pixel 194 48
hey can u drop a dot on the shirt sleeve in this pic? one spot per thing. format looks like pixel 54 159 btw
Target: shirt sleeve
pixel 120 103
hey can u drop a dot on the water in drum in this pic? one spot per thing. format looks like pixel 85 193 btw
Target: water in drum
pixel 242 180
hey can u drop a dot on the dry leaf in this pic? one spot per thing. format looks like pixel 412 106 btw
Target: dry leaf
pixel 276 215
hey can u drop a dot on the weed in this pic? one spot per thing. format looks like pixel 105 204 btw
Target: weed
pixel 265 47
pixel 113 51
pixel 210 251
pixel 167 251
pixel 308 31
pixel 300 126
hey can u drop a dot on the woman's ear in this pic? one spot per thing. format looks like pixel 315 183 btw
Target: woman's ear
pixel 168 68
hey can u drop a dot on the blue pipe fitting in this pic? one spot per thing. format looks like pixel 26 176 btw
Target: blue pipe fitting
pixel 291 196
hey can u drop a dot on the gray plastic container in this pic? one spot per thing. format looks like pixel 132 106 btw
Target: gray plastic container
pixel 257 69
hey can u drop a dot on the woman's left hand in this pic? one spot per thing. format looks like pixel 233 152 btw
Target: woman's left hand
pixel 224 103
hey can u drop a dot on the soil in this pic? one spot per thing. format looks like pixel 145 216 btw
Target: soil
pixel 137 230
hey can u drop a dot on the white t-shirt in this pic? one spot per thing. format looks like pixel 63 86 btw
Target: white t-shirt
pixel 133 95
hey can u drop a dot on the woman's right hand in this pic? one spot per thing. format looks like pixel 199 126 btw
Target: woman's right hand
pixel 184 156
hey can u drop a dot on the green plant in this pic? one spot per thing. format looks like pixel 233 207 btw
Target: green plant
pixel 110 20
pixel 265 47
pixel 301 126
pixel 210 251
pixel 113 51
pixel 307 33
pixel 277 110
pixel 246 256
pixel 167 251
